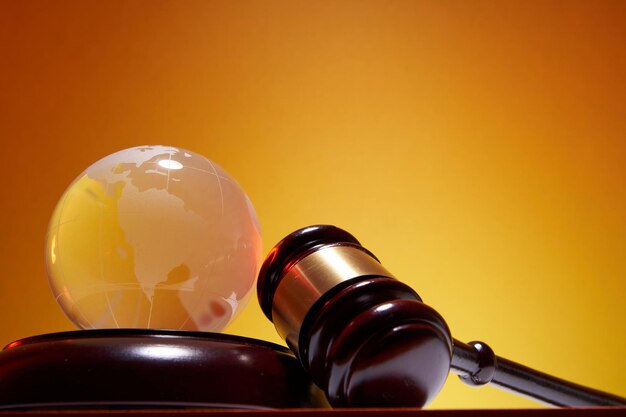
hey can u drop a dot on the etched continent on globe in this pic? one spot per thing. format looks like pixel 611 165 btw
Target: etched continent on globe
pixel 153 237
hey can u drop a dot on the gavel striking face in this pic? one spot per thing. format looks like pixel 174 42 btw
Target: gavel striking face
pixel 368 340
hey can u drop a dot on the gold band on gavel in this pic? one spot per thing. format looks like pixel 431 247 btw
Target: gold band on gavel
pixel 310 278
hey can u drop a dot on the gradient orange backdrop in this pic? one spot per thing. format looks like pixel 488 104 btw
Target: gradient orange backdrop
pixel 476 147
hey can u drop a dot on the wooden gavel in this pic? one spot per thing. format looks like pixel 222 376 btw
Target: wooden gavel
pixel 367 340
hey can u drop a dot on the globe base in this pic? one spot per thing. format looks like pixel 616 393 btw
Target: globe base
pixel 132 368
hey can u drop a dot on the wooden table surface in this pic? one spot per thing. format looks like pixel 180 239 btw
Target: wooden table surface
pixel 541 412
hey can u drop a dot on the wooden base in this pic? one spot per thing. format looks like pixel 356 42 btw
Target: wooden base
pixel 397 412
pixel 134 368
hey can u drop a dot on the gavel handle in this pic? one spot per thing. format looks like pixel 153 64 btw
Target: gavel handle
pixel 476 364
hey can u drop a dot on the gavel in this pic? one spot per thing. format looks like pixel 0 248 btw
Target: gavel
pixel 367 340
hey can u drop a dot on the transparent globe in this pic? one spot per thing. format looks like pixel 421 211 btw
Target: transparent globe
pixel 153 237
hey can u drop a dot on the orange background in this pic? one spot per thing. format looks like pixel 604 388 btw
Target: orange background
pixel 476 147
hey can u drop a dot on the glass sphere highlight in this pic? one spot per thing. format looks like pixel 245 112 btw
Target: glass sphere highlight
pixel 153 237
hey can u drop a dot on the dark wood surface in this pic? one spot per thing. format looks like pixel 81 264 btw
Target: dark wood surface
pixel 400 412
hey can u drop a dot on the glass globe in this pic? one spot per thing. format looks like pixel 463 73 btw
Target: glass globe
pixel 153 237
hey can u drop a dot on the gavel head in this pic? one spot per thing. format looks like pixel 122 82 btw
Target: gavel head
pixel 365 338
